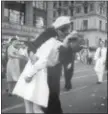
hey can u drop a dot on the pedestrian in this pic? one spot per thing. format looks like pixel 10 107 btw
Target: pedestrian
pixel 46 81
pixel 90 57
pixel 68 62
pixel 12 70
pixel 100 61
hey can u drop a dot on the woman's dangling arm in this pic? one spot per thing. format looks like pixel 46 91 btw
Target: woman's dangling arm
pixel 48 61
pixel 40 64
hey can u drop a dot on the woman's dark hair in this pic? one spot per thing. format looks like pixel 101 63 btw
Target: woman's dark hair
pixel 43 37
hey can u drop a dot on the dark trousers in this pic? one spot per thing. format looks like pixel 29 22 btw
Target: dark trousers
pixel 54 105
pixel 22 65
pixel 89 60
pixel 68 74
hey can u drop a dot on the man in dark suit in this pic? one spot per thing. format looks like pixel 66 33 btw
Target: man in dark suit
pixel 69 60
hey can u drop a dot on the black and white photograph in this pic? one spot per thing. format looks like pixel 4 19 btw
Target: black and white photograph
pixel 54 56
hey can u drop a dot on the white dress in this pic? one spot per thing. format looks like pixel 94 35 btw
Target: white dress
pixel 100 61
pixel 13 68
pixel 37 90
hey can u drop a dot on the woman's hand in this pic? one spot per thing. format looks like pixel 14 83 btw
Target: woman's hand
pixel 28 79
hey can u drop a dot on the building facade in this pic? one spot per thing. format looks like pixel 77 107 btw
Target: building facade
pixel 88 17
pixel 25 19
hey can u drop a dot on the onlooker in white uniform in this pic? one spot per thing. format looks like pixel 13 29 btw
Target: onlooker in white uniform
pixel 100 61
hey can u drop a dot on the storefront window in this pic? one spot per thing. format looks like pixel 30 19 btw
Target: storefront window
pixel 6 14
pixel 14 16
pixel 39 22
pixel 14 13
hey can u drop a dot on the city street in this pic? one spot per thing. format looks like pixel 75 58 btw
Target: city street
pixel 86 96
pixel 33 30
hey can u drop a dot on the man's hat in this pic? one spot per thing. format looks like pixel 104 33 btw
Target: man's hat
pixel 61 21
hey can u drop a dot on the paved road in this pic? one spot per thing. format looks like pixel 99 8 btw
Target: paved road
pixel 86 96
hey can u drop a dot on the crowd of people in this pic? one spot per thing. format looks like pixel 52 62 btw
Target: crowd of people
pixel 34 68
pixel 86 55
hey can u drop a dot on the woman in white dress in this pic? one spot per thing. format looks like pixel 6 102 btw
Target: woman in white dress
pixel 13 69
pixel 100 61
